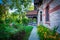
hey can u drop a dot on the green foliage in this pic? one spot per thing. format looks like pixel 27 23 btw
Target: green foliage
pixel 14 32
pixel 17 4
pixel 54 30
pixel 28 30
pixel 47 34
pixel 2 11
pixel 6 30
pixel 12 26
pixel 13 4
pixel 8 20
pixel 25 21
pixel 31 7
pixel 34 20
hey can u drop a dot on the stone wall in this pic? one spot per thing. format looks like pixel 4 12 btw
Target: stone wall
pixel 54 13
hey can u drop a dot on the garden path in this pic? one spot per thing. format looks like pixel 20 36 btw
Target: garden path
pixel 34 35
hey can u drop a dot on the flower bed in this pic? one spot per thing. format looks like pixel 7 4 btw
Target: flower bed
pixel 47 34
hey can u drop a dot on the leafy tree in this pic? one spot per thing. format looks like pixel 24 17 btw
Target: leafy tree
pixel 7 28
pixel 2 13
pixel 31 7
pixel 17 4
pixel 21 6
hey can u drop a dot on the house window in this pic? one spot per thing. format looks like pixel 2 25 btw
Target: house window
pixel 47 13
pixel 40 15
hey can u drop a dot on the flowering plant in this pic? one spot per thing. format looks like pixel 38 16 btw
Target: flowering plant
pixel 47 34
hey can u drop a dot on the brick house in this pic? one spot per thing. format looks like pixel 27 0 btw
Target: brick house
pixel 48 13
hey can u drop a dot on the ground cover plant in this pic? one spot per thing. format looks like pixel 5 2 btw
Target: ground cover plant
pixel 47 34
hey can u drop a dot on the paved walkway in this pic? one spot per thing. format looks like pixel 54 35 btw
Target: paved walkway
pixel 34 35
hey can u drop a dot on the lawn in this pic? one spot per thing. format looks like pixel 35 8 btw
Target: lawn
pixel 47 34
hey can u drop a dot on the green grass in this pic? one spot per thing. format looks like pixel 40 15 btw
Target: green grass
pixel 28 30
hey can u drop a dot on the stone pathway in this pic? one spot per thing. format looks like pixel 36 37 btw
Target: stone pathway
pixel 34 35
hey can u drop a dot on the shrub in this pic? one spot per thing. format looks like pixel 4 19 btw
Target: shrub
pixel 25 21
pixel 14 33
pixel 47 34
pixel 6 31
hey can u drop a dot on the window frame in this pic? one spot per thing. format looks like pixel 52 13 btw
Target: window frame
pixel 47 14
